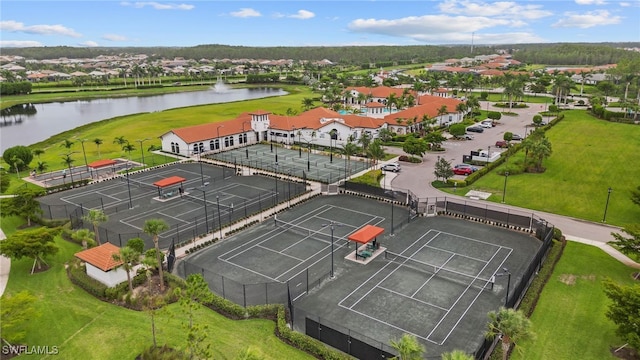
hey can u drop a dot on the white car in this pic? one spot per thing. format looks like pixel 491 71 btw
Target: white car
pixel 394 167
pixel 486 124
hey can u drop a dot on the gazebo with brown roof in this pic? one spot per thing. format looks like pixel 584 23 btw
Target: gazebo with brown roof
pixel 99 164
pixel 366 234
pixel 101 265
pixel 166 182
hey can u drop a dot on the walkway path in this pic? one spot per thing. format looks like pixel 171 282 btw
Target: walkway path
pixel 5 267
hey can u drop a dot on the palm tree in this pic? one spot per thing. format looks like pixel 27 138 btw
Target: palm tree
pixel 120 140
pixel 408 348
pixel 128 147
pixel 307 103
pixel 38 152
pixel 511 326
pixel 85 237
pixel 154 227
pixel 365 141
pixel 17 163
pixel 42 166
pixel 349 149
pixel 513 90
pixel 375 151
pixel 129 258
pixel 95 217
pixel 67 143
pixel 67 160
pixel 98 142
pixel 457 355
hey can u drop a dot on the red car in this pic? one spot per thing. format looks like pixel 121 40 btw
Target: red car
pixel 462 170
pixel 502 144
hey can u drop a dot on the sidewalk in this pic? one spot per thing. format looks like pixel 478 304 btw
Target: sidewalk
pixel 5 267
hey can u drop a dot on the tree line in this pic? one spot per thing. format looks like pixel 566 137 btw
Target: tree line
pixel 553 54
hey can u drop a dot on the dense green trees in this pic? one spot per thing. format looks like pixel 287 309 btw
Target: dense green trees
pixel 24 204
pixel 18 157
pixel 35 244
pixel 15 312
pixel 511 326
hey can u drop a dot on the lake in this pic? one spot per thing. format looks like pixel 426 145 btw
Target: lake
pixel 32 123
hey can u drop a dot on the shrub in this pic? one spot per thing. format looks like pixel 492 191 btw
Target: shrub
pixel 79 277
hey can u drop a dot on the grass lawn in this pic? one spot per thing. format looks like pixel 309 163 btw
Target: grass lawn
pixel 569 319
pixel 152 125
pixel 589 156
pixel 86 328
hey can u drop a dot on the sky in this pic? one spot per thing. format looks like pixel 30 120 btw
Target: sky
pixel 89 23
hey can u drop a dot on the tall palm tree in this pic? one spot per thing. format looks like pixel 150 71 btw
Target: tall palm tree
pixel 67 160
pixel 365 141
pixel 38 152
pixel 85 237
pixel 307 103
pixel 154 227
pixel 42 166
pixel 376 151
pixel 67 143
pixel 98 142
pixel 408 348
pixel 120 140
pixel 128 147
pixel 513 91
pixel 129 258
pixel 511 326
pixel 349 149
pixel 95 217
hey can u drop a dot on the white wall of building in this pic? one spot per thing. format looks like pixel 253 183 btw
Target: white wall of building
pixel 110 278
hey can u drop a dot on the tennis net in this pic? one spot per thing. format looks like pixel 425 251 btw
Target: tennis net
pixel 302 231
pixel 138 184
pixel 434 270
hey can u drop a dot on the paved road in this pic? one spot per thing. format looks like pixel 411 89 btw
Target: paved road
pixel 418 177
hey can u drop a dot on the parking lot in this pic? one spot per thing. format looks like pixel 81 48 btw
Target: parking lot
pixel 416 176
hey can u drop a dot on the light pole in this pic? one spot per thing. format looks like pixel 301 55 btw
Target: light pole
pixel 504 190
pixel 276 152
pixel 219 218
pixel 206 214
pixel 275 192
pixel 308 155
pixel 332 227
pixel 142 150
pixel 508 273
pixel 331 147
pixel 606 206
pixel 299 144
pixel 128 187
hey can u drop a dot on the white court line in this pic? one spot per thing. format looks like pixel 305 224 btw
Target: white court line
pixel 278 252
pixel 425 283
pixel 377 272
pixel 476 240
pixel 387 324
pixel 455 253
pixel 458 300
pixel 411 297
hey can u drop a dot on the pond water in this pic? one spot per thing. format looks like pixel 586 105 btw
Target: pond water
pixel 31 123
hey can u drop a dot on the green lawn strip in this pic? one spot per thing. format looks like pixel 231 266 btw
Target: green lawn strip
pixel 152 125
pixel 84 327
pixel 569 319
pixel 589 155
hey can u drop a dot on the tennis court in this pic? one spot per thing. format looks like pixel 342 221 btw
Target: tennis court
pixel 198 209
pixel 301 163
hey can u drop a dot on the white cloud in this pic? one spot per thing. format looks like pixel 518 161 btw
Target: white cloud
pixel 114 37
pixel 19 43
pixel 14 26
pixel 591 2
pixel 158 5
pixel 587 20
pixel 303 15
pixel 89 44
pixel 500 9
pixel 246 12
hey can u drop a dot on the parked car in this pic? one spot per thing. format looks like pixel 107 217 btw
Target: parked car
pixel 462 171
pixel 467 137
pixel 461 166
pixel 475 129
pixel 502 144
pixel 394 167
pixel 516 137
pixel 486 124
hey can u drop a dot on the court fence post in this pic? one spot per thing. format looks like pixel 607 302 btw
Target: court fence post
pixel 244 294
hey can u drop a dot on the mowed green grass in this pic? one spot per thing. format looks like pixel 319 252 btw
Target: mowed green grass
pixel 569 319
pixel 83 327
pixel 152 126
pixel 589 156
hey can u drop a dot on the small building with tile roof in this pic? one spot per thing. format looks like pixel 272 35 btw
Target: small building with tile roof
pixel 100 265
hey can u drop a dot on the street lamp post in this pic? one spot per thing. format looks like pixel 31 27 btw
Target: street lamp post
pixel 219 218
pixel 504 190
pixel 128 187
pixel 308 155
pixel 206 213
pixel 142 150
pixel 606 206
pixel 275 192
pixel 508 273
pixel 332 227
pixel 246 149
pixel 330 147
